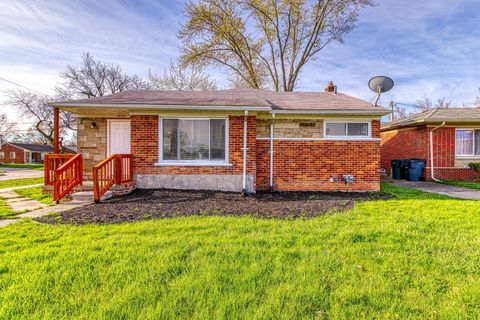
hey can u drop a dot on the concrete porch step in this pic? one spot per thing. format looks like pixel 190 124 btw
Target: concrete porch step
pixel 88 196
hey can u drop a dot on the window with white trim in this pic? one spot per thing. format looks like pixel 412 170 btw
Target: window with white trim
pixel 194 140
pixel 2 155
pixel 12 155
pixel 467 142
pixel 337 129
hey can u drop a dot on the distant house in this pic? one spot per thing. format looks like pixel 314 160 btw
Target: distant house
pixel 12 152
pixel 448 139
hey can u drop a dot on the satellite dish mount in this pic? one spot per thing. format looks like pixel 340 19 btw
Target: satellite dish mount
pixel 379 85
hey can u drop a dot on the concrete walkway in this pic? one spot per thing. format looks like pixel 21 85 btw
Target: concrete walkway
pixel 19 173
pixel 44 211
pixel 438 188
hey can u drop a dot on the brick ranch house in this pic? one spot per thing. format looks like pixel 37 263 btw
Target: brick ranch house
pixel 13 152
pixel 234 140
pixel 448 139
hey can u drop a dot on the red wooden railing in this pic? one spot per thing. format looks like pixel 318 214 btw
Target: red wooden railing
pixel 53 162
pixel 116 169
pixel 66 177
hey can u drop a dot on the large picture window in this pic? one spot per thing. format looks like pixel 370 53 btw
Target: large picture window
pixel 194 140
pixel 347 129
pixel 467 142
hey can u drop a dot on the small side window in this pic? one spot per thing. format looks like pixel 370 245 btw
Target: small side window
pixel 347 129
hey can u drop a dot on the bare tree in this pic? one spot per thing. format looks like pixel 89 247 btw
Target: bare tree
pixel 427 104
pixel 182 78
pixel 31 135
pixel 477 100
pixel 94 78
pixel 36 106
pixel 265 43
pixel 7 128
pixel 399 112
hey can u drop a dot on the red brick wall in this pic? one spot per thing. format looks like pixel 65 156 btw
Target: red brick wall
pixel 465 174
pixel 19 154
pixel 263 165
pixel 144 146
pixel 308 165
pixel 403 144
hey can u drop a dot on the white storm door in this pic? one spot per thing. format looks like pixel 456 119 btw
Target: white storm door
pixel 118 137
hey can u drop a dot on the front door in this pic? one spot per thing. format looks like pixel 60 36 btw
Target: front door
pixel 118 137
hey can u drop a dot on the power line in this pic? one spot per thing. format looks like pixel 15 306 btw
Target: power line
pixel 22 86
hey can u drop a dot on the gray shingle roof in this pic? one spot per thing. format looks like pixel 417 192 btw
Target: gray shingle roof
pixel 452 115
pixel 40 147
pixel 33 147
pixel 270 100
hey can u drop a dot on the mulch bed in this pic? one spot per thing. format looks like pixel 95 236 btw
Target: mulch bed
pixel 152 204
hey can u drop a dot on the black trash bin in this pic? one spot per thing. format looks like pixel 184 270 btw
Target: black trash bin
pixel 396 170
pixel 415 169
pixel 404 168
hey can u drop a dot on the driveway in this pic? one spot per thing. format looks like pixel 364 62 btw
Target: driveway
pixel 18 173
pixel 452 191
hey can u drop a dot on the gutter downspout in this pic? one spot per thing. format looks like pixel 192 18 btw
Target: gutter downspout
pixel 432 174
pixel 244 177
pixel 271 151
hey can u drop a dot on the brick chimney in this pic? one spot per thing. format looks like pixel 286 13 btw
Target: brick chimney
pixel 331 87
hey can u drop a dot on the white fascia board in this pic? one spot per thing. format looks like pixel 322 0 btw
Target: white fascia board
pixel 380 112
pixel 156 106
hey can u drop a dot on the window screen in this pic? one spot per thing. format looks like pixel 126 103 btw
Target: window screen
pixel 194 140
pixel 346 129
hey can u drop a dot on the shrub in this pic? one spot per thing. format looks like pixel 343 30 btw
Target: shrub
pixel 474 166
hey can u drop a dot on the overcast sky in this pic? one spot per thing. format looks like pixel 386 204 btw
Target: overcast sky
pixel 430 48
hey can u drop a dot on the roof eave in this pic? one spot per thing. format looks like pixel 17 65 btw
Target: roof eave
pixel 380 112
pixel 161 106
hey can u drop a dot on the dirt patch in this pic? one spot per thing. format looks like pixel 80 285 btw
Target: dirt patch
pixel 150 204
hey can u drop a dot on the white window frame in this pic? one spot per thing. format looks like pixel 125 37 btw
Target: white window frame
pixel 465 156
pixel 14 155
pixel 162 162
pixel 2 155
pixel 346 137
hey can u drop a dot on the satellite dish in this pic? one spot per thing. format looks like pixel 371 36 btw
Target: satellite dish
pixel 380 84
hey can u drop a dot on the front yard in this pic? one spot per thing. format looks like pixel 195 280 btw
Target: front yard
pixel 413 256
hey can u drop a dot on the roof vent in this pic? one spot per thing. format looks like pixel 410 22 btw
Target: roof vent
pixel 331 87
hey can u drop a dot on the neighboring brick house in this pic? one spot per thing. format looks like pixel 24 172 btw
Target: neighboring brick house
pixel 455 134
pixel 13 152
pixel 223 140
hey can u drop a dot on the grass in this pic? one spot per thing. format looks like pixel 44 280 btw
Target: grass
pixel 415 256
pixel 35 166
pixel 35 193
pixel 20 182
pixel 464 184
pixel 5 210
pixel 410 194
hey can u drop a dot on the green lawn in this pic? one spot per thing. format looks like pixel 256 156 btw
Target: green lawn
pixel 416 256
pixel 35 193
pixel 22 165
pixel 20 182
pixel 465 184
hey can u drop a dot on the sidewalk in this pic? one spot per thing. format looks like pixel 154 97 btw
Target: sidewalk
pixel 438 188
pixel 43 212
